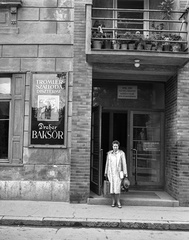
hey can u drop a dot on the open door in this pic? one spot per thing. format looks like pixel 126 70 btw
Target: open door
pixel 96 152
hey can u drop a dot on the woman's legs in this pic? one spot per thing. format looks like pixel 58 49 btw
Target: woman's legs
pixel 118 200
pixel 113 200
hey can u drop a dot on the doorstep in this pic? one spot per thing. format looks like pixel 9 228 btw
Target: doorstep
pixel 137 198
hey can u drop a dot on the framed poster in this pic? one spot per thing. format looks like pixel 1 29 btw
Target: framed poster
pixel 49 110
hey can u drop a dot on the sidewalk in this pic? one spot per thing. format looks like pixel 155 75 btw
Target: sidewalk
pixel 59 214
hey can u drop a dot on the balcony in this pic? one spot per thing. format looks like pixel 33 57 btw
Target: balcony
pixel 115 43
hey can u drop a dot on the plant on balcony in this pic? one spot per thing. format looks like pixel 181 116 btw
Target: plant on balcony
pixel 98 34
pixel 116 42
pixel 139 40
pixel 124 40
pixel 176 46
pixel 166 6
pixel 107 41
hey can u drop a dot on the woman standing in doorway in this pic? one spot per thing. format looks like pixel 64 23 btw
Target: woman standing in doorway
pixel 115 163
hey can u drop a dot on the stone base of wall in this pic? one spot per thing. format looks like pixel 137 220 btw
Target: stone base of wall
pixel 35 190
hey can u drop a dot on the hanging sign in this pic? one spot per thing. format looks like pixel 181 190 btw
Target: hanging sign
pixel 48 109
pixel 127 92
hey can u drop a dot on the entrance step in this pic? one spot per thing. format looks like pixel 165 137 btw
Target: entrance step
pixel 137 198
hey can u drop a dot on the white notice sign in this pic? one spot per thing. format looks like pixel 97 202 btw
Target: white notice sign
pixel 127 92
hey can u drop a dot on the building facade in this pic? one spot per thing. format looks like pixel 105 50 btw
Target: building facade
pixel 63 101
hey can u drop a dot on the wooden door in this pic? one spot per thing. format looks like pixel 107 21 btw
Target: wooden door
pixel 96 152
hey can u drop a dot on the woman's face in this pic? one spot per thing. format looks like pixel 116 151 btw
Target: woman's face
pixel 115 147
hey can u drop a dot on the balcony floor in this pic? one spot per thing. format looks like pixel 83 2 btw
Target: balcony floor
pixel 119 64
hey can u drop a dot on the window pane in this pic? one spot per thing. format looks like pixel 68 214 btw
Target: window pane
pixel 4 126
pixel 5 85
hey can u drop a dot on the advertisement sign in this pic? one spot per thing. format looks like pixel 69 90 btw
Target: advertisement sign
pixel 49 97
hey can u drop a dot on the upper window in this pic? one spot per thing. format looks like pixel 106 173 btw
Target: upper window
pixel 128 18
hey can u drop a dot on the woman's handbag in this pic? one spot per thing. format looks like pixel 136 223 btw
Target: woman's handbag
pixel 106 187
pixel 125 183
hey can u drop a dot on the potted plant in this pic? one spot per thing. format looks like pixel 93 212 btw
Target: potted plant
pixel 139 40
pixel 167 42
pixel 132 41
pixel 98 34
pixel 107 41
pixel 148 42
pixel 125 39
pixel 177 45
pixel 116 42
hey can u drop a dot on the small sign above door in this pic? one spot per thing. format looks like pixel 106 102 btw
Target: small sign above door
pixel 127 92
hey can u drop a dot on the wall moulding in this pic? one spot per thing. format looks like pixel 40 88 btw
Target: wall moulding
pixel 12 6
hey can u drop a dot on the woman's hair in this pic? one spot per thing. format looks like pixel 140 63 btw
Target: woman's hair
pixel 116 142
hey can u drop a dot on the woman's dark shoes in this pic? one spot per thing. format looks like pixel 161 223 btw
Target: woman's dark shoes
pixel 113 204
pixel 119 205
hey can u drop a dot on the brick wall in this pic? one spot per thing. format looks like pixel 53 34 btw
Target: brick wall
pixel 177 136
pixel 81 115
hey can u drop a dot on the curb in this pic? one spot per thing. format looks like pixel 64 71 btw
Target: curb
pixel 93 223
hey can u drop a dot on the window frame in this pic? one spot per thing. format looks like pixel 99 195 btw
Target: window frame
pixel 146 15
pixel 7 98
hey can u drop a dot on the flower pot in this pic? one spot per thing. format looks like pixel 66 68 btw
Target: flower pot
pixel 166 47
pixel 116 46
pixel 97 44
pixel 140 46
pixel 159 48
pixel 148 46
pixel 176 48
pixel 124 46
pixel 131 46
pixel 107 44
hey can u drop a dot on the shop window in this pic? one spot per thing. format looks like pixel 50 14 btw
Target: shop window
pixel 12 89
pixel 49 110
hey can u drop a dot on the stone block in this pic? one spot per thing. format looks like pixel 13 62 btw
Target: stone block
pixel 56 14
pixel 36 37
pixel 65 3
pixel 38 64
pixel 60 156
pixel 69 140
pixel 60 191
pixel 2 190
pixel 64 64
pixel 65 28
pixel 1 50
pixel 43 190
pixel 13 190
pixel 19 51
pixel 28 14
pixel 56 51
pixel 28 190
pixel 51 173
pixel 10 64
pixel 36 27
pixel 41 3
pixel 38 156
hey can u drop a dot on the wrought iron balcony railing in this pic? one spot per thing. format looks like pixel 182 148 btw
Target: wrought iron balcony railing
pixel 136 30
